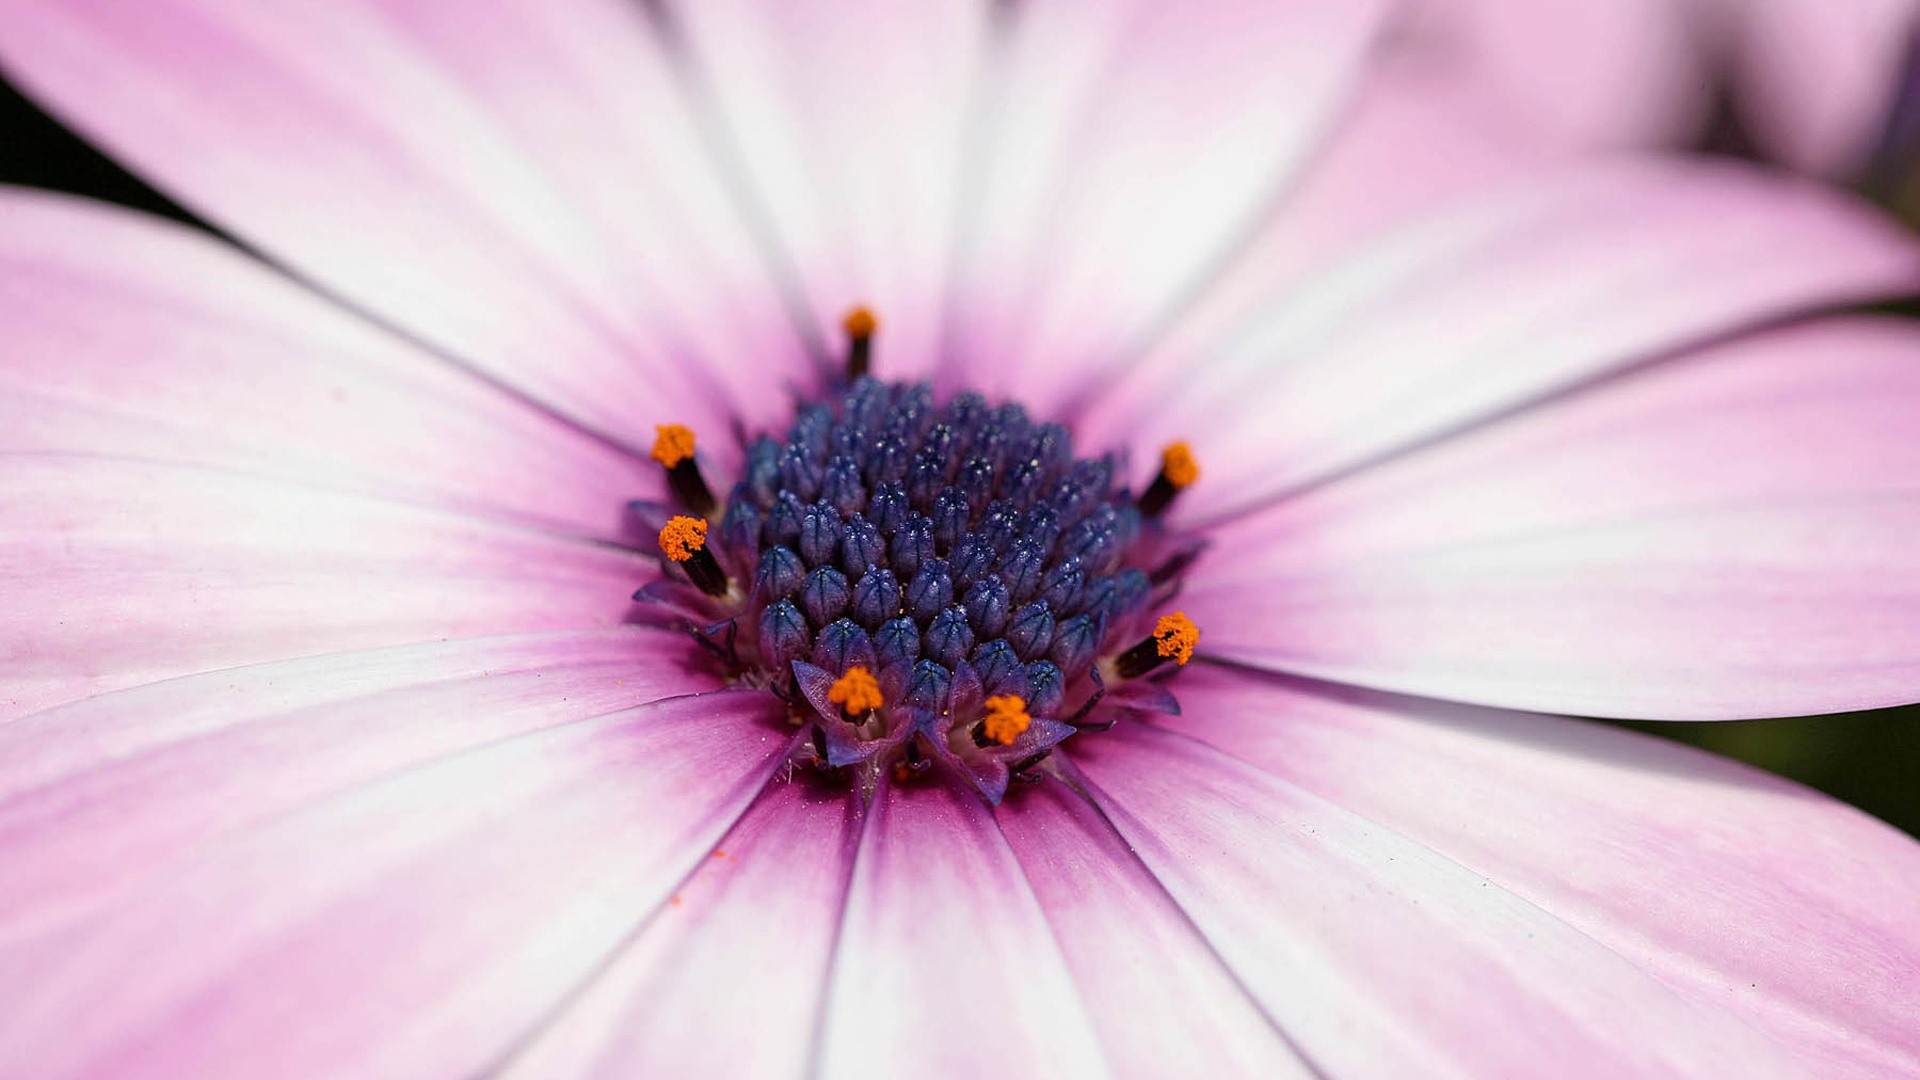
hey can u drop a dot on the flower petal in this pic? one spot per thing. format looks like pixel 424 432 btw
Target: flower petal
pixel 1820 76
pixel 415 926
pixel 723 982
pixel 1486 308
pixel 1130 150
pixel 99 795
pixel 849 116
pixel 1720 536
pixel 1382 958
pixel 518 185
pixel 118 573
pixel 134 337
pixel 1405 150
pixel 1161 1001
pixel 944 957
pixel 1748 895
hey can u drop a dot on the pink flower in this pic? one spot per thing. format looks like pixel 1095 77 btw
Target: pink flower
pixel 335 747
pixel 1813 81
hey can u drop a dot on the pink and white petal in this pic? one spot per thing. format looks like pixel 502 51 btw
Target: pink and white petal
pixel 1381 957
pixel 1161 1001
pixel 1408 148
pixel 1579 74
pixel 98 796
pixel 944 958
pixel 519 186
pixel 849 118
pixel 119 573
pixel 723 982
pixel 1484 309
pixel 1128 151
pixel 1723 535
pixel 1818 77
pixel 413 927
pixel 133 337
pixel 1748 895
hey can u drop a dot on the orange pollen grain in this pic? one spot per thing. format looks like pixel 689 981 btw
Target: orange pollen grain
pixel 1006 718
pixel 856 692
pixel 1177 464
pixel 672 444
pixel 1175 636
pixel 861 322
pixel 682 537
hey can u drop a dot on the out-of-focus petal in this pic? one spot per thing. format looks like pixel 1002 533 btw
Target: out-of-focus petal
pixel 416 926
pixel 99 795
pixel 1483 309
pixel 1725 535
pixel 849 117
pixel 1579 74
pixel 518 183
pixel 1749 896
pixel 132 337
pixel 724 981
pixel 1407 148
pixel 1818 77
pixel 944 957
pixel 1162 1002
pixel 118 573
pixel 1381 957
pixel 1129 151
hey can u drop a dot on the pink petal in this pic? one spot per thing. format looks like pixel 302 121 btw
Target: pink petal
pixel 1484 309
pixel 519 185
pixel 1579 74
pixel 1748 896
pixel 98 796
pixel 724 981
pixel 1406 150
pixel 849 117
pixel 1380 957
pixel 416 926
pixel 945 959
pixel 1818 77
pixel 1722 536
pixel 132 337
pixel 1162 1003
pixel 118 573
pixel 1129 150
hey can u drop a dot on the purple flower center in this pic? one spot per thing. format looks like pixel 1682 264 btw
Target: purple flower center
pixel 929 584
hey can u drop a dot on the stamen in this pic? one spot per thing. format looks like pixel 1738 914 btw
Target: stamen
pixel 684 540
pixel 1006 720
pixel 1174 637
pixel 1178 470
pixel 673 448
pixel 860 325
pixel 857 693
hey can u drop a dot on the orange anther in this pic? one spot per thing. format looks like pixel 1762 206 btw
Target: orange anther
pixel 861 322
pixel 1174 637
pixel 1177 464
pixel 1006 718
pixel 857 692
pixel 683 536
pixel 672 444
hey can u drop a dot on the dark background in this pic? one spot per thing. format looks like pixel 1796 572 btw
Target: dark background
pixel 1870 759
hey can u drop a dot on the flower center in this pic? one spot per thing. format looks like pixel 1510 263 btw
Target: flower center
pixel 928 584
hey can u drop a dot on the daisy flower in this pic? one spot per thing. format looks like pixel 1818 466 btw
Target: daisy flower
pixel 841 538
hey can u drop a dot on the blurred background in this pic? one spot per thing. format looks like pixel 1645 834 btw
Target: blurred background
pixel 1825 88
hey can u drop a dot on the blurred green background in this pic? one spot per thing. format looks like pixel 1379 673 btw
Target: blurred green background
pixel 1870 759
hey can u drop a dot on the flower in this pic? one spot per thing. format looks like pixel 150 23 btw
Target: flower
pixel 334 745
pixel 1813 82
